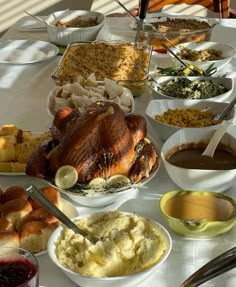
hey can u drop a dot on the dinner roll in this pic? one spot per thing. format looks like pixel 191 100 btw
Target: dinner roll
pixel 34 235
pixel 9 238
pixel 41 214
pixel 16 211
pixel 6 224
pixel 13 192
pixel 52 194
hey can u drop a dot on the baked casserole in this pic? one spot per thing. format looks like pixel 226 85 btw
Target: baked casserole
pixel 116 61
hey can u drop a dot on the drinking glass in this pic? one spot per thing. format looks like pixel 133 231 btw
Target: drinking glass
pixel 18 268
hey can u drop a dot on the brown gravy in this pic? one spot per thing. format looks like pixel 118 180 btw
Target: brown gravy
pixel 191 158
pixel 196 206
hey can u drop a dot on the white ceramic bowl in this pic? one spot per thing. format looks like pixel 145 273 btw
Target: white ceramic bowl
pixel 226 82
pixel 64 36
pixel 77 99
pixel 198 179
pixel 227 52
pixel 158 107
pixel 121 281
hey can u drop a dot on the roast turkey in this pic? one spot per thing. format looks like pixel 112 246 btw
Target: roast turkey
pixel 101 142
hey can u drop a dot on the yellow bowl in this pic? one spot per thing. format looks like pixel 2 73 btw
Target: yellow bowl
pixel 198 213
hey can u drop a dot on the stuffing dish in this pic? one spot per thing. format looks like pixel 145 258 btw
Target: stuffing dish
pixel 115 61
pixel 77 22
pixel 178 30
pixel 180 25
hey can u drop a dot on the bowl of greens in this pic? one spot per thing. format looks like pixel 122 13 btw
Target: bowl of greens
pixel 216 89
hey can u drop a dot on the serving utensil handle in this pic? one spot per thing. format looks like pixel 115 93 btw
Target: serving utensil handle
pixel 212 269
pixel 222 115
pixel 40 198
pixel 143 9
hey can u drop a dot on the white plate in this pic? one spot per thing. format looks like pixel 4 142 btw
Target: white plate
pixel 26 51
pixel 70 210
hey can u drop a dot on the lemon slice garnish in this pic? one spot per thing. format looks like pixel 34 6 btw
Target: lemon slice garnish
pixel 118 179
pixel 66 176
pixel 97 182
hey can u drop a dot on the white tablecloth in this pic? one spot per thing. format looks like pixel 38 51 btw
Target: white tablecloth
pixel 23 92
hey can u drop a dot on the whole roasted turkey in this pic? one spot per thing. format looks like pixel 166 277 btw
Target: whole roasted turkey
pixel 101 142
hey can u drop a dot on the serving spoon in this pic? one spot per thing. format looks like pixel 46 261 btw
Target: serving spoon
pixel 37 18
pixel 217 136
pixel 223 114
pixel 149 25
pixel 40 198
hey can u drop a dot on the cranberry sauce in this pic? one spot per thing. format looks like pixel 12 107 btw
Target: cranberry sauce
pixel 17 272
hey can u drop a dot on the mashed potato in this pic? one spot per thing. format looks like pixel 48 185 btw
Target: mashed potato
pixel 128 244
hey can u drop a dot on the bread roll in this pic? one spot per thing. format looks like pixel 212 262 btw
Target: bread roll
pixel 6 224
pixel 41 214
pixel 52 194
pixel 9 238
pixel 16 211
pixel 13 192
pixel 34 235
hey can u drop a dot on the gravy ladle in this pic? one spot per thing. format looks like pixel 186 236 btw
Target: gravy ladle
pixel 217 136
pixel 40 198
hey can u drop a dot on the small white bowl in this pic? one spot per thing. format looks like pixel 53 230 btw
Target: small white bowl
pixel 64 36
pixel 198 179
pixel 226 82
pixel 119 281
pixel 227 52
pixel 158 107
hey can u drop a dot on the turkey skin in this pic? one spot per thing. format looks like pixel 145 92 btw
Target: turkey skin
pixel 100 142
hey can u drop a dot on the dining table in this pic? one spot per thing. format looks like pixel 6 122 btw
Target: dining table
pixel 24 90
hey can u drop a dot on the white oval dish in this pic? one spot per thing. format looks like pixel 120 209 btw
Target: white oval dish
pixel 64 36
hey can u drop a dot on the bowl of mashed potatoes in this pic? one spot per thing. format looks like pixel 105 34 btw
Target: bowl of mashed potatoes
pixel 128 250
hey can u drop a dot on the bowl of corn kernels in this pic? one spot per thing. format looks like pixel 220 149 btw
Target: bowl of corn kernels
pixel 169 116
